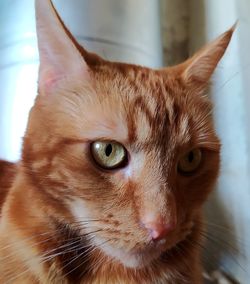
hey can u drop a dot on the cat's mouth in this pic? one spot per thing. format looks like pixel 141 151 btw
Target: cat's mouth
pixel 153 251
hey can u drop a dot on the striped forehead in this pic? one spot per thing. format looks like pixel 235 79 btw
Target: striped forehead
pixel 157 108
pixel 154 113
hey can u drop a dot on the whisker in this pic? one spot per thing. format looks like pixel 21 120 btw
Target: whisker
pixel 81 254
pixel 76 239
pixel 13 254
pixel 235 74
pixel 226 245
pixel 45 257
pixel 26 239
pixel 207 255
pixel 33 245
pixel 223 230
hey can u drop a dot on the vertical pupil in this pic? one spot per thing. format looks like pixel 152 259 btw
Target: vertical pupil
pixel 108 150
pixel 191 157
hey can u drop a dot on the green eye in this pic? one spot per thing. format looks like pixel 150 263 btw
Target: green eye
pixel 190 161
pixel 108 154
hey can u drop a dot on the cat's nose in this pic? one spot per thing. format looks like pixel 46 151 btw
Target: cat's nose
pixel 158 228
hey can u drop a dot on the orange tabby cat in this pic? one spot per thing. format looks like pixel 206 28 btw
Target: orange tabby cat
pixel 117 161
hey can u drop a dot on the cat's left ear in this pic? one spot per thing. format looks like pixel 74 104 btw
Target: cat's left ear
pixel 197 71
pixel 58 52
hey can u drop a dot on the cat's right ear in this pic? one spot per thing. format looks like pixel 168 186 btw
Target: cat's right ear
pixel 200 67
pixel 58 53
pixel 195 73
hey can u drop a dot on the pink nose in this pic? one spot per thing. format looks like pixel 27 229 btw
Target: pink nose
pixel 158 228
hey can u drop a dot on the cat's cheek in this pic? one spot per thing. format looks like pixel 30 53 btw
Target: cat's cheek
pixel 80 212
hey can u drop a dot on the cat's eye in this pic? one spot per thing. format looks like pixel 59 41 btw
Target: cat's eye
pixel 108 154
pixel 190 162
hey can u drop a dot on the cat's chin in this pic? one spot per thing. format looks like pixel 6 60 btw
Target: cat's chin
pixel 134 259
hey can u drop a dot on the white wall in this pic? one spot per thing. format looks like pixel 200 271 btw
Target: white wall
pixel 229 208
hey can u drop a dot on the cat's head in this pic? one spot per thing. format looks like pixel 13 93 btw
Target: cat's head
pixel 125 153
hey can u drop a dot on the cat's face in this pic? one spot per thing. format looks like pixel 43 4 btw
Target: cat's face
pixel 125 154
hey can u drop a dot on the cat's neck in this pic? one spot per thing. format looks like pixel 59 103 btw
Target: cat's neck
pixel 54 251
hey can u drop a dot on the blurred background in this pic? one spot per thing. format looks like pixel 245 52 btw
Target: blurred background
pixel 153 33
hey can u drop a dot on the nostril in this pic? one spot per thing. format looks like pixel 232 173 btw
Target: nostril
pixel 159 231
pixel 158 226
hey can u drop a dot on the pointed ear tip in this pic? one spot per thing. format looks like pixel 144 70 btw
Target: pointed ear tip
pixel 226 37
pixel 232 29
pixel 209 51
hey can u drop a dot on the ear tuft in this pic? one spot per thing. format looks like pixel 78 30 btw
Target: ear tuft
pixel 200 67
pixel 59 56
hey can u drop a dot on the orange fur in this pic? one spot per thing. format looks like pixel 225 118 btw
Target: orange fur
pixel 66 221
pixel 7 174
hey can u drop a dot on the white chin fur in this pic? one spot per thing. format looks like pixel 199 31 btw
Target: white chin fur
pixel 129 259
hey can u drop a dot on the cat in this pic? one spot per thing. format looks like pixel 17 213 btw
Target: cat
pixel 117 161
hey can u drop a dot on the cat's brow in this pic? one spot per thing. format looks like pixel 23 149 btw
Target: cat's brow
pixel 140 120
